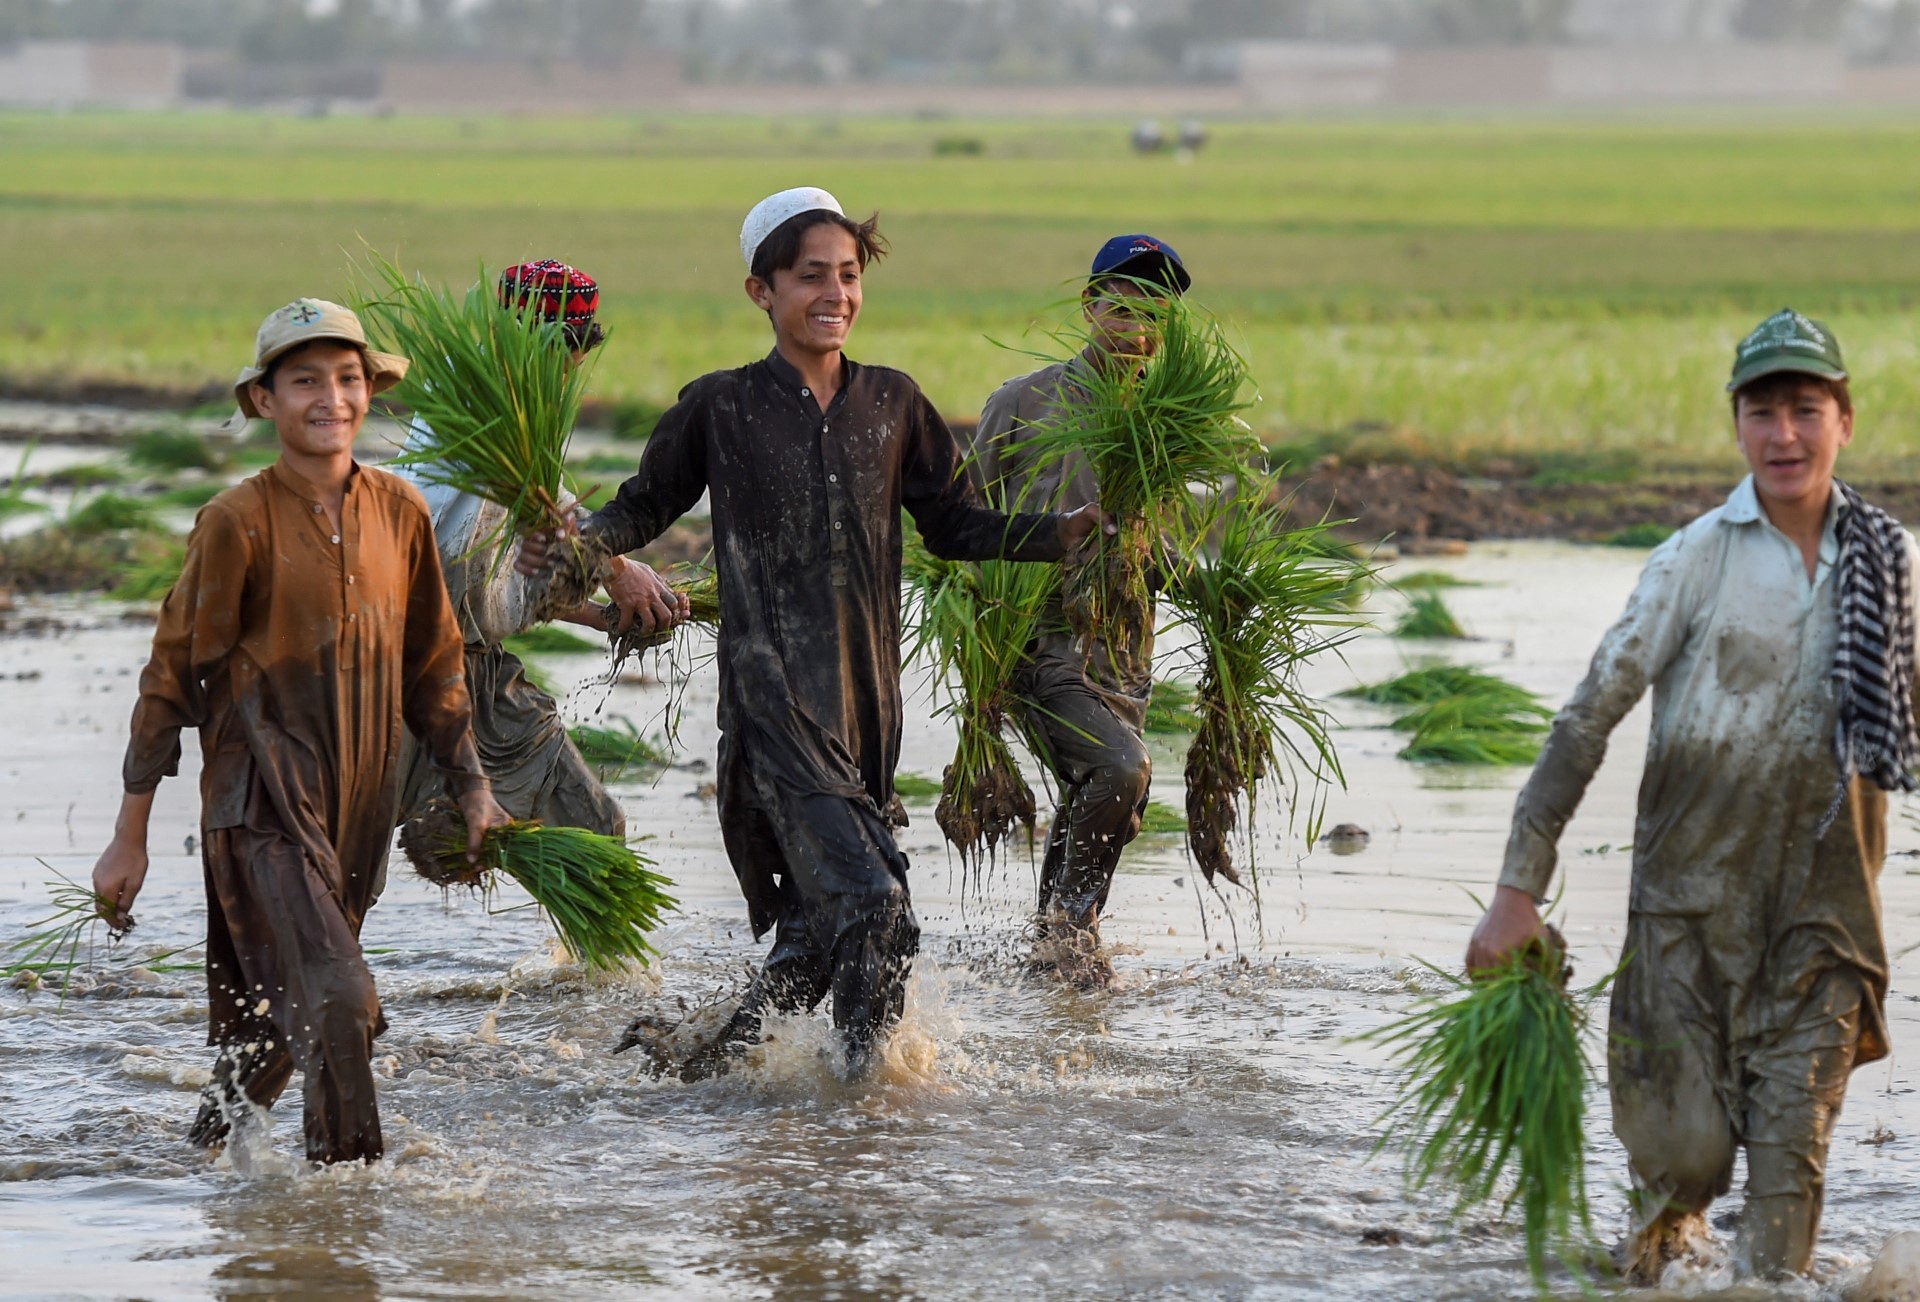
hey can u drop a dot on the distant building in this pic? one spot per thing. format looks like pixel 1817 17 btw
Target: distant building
pixel 78 74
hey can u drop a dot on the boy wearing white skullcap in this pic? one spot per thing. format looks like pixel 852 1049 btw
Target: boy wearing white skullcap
pixel 809 458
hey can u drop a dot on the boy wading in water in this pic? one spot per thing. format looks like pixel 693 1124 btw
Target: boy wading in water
pixel 809 458
pixel 535 769
pixel 1087 703
pixel 308 623
pixel 1777 634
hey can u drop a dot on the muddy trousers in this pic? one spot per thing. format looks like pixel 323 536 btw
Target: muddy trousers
pixel 1683 1104
pixel 288 988
pixel 1091 739
pixel 845 923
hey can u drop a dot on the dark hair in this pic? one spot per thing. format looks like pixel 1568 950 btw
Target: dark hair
pixel 781 249
pixel 1771 388
pixel 272 373
pixel 585 336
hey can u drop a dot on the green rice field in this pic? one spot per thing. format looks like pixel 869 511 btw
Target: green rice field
pixel 1460 289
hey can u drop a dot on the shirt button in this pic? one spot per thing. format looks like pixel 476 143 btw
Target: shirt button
pixel 833 479
pixel 336 537
pixel 806 393
pixel 349 578
pixel 349 619
pixel 825 427
pixel 316 508
pixel 837 525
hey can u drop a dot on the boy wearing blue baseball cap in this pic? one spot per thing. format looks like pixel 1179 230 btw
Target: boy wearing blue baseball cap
pixel 1085 705
pixel 1777 635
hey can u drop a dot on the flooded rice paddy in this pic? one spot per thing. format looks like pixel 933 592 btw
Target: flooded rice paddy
pixel 1202 1132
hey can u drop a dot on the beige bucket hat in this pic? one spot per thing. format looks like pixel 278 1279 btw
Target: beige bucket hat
pixel 301 322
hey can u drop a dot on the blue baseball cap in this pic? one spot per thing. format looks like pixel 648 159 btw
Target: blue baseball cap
pixel 1144 257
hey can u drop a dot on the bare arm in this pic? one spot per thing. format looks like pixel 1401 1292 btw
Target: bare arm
pixel 122 867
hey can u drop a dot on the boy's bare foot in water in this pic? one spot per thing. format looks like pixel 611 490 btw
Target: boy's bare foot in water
pixel 1671 1236
pixel 1070 949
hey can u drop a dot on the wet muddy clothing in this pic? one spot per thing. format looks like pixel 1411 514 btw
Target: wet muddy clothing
pixel 807 537
pixel 1085 705
pixel 537 771
pixel 302 655
pixel 1756 972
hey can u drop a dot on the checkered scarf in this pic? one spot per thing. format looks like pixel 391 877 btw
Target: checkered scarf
pixel 1873 658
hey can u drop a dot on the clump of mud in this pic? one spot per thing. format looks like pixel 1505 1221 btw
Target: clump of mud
pixel 435 844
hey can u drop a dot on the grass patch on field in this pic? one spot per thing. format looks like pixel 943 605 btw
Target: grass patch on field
pixel 1430 581
pixel 111 513
pixel 613 751
pixel 1162 820
pixel 1461 715
pixel 171 450
pixel 1641 535
pixel 192 496
pixel 1560 293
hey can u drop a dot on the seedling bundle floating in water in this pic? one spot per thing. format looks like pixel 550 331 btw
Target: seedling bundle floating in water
pixel 1493 1097
pixel 601 897
pixel 1462 715
pixel 498 393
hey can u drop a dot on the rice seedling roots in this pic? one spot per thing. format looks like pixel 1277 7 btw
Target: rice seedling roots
pixel 1217 776
pixel 987 809
pixel 425 840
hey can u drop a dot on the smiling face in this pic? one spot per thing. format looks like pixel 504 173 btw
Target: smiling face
pixel 319 398
pixel 1791 434
pixel 814 303
pixel 1120 318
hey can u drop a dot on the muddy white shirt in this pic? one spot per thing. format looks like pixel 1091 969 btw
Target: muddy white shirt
pixel 1737 645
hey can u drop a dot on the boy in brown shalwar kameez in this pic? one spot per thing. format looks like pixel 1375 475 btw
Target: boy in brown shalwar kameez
pixel 1776 634
pixel 309 621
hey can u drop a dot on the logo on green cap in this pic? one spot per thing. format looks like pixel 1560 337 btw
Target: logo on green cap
pixel 1787 341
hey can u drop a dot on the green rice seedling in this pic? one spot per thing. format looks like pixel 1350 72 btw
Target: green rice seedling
pixel 499 393
pixel 915 787
pixel 1430 580
pixel 1162 820
pixel 152 571
pixel 1170 711
pixel 1485 724
pixel 612 751
pixel 540 679
pixel 88 474
pixel 111 513
pixel 634 418
pixel 1492 1099
pixel 1153 434
pixel 1437 682
pixel 701 587
pixel 602 897
pixel 170 450
pixel 52 944
pixel 192 496
pixel 549 640
pixel 1427 616
pixel 974 622
pixel 1258 607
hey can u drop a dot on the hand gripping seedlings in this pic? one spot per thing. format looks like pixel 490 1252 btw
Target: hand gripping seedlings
pixel 1259 600
pixel 1492 1101
pixel 701 588
pixel 601 897
pixel 498 392
pixel 976 621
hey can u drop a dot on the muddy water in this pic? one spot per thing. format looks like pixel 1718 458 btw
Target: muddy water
pixel 1202 1132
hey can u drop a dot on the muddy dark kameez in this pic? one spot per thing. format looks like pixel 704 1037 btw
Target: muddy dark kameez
pixel 807 539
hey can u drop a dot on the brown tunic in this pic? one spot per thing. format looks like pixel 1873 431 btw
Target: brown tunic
pixel 299 652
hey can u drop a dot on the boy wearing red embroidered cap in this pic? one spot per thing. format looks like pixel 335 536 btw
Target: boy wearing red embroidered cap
pixel 809 459
pixel 308 621
pixel 537 771
pixel 1086 705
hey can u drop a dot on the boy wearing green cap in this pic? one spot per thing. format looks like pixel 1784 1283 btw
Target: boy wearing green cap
pixel 1777 635
pixel 1085 705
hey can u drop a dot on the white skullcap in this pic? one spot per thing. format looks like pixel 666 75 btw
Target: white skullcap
pixel 775 209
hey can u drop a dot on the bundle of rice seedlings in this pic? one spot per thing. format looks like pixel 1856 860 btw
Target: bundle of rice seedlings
pixel 601 897
pixel 111 513
pixel 612 751
pixel 1162 820
pixel 151 571
pixel 169 450
pixel 701 588
pixel 1429 580
pixel 499 394
pixel 1493 1097
pixel 1463 715
pixel 1427 616
pixel 52 944
pixel 1479 726
pixel 975 622
pixel 1153 435
pixel 1258 607
pixel 915 788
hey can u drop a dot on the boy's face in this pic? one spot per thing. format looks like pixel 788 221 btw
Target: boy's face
pixel 319 399
pixel 1791 438
pixel 1118 325
pixel 814 303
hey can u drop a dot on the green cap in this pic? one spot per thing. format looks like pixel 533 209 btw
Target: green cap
pixel 1787 341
